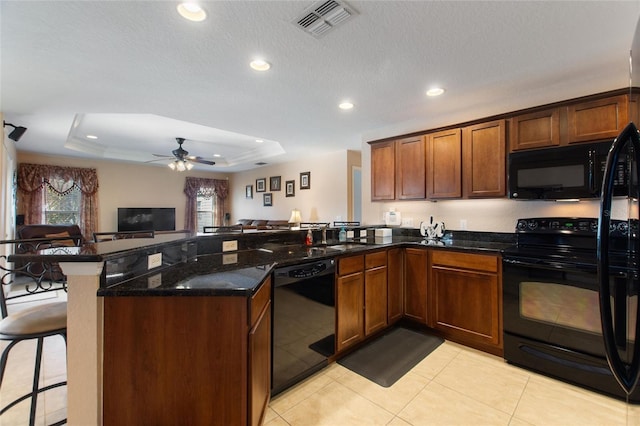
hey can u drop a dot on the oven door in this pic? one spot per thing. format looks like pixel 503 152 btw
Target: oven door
pixel 552 321
pixel 554 303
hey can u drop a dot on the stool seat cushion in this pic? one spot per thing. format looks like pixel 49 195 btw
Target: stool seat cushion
pixel 36 320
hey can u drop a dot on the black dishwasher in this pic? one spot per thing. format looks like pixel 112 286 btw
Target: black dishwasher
pixel 303 332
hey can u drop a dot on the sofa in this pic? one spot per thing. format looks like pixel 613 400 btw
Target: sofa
pixel 26 232
pixel 263 224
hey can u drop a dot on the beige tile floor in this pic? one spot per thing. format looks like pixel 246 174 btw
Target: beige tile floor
pixel 454 385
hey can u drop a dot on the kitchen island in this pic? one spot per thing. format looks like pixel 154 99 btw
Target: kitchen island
pixel 119 270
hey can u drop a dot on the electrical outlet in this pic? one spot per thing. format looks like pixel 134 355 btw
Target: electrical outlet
pixel 350 234
pixel 463 224
pixel 363 233
pixel 230 245
pixel 407 222
pixel 229 259
pixel 154 260
pixel 154 281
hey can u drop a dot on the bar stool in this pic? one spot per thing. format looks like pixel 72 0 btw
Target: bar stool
pixel 37 322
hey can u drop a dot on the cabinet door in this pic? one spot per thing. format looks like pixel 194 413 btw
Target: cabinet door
pixel 410 168
pixel 383 169
pixel 465 305
pixel 444 178
pixel 395 281
pixel 260 367
pixel 415 285
pixel 601 119
pixel 375 299
pixel 484 160
pixel 350 310
pixel 535 130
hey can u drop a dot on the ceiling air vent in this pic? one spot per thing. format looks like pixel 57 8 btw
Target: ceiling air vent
pixel 323 16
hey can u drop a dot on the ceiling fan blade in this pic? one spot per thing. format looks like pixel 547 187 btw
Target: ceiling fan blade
pixel 159 159
pixel 202 161
pixel 163 156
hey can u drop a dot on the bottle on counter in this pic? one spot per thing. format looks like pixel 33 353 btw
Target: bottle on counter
pixel 309 237
pixel 342 236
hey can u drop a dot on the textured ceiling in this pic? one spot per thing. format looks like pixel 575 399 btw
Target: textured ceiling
pixel 90 61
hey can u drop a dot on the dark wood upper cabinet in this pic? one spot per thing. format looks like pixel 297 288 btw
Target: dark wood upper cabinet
pixel 598 119
pixel 444 177
pixel 535 130
pixel 484 160
pixel 410 168
pixel 383 171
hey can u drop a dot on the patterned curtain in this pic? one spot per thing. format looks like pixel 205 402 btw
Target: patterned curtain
pixel 32 179
pixel 207 188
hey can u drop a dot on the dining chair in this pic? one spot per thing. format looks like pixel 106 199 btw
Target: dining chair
pixel 46 319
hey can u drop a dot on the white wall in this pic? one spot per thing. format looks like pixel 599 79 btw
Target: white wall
pixel 490 215
pixel 129 185
pixel 325 201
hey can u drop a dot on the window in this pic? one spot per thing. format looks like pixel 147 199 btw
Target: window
pixel 206 207
pixel 61 208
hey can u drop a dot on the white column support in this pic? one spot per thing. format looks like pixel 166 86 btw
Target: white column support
pixel 84 343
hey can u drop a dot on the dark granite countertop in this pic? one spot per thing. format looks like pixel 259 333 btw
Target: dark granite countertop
pixel 193 265
pixel 239 273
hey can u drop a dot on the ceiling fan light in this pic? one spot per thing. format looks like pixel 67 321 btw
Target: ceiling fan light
pixel 180 166
pixel 172 165
pixel 188 165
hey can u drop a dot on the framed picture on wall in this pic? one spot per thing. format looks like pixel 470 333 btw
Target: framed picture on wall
pixel 261 185
pixel 267 199
pixel 305 180
pixel 290 188
pixel 248 191
pixel 274 183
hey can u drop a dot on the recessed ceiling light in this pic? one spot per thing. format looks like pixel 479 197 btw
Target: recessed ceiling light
pixel 92 137
pixel 192 11
pixel 345 105
pixel 259 140
pixel 260 65
pixel 216 155
pixel 436 91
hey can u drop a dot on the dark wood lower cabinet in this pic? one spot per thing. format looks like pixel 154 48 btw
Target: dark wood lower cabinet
pixel 415 285
pixel 395 283
pixel 195 360
pixel 350 310
pixel 465 296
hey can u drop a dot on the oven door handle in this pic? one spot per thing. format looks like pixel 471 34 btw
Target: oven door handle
pixel 532 263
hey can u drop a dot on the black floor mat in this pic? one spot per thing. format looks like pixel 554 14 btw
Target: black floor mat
pixel 391 356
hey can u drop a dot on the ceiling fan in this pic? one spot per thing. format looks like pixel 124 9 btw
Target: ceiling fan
pixel 183 161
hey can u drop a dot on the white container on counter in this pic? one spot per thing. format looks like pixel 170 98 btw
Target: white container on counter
pixel 382 232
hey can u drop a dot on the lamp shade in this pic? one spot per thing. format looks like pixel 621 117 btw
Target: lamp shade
pixel 295 216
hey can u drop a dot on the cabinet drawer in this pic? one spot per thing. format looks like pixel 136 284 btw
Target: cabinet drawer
pixel 260 300
pixel 478 262
pixel 351 264
pixel 375 260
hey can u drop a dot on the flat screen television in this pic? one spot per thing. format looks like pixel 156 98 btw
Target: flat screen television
pixel 146 218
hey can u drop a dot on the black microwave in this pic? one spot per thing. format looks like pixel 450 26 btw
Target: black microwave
pixel 571 172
